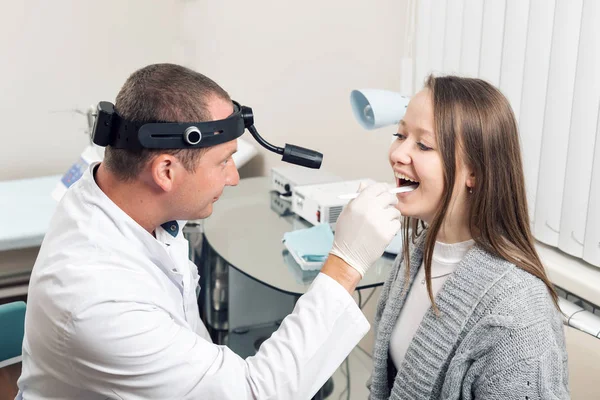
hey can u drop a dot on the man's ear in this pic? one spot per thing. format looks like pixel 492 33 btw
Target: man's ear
pixel 163 171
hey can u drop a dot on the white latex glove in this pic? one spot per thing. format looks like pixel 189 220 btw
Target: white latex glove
pixel 366 226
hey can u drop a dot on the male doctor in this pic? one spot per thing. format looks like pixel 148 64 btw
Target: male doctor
pixel 112 310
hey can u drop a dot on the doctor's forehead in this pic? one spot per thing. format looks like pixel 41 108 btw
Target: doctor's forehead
pixel 223 150
pixel 219 107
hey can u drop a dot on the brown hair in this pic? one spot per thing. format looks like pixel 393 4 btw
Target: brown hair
pixel 166 93
pixel 473 120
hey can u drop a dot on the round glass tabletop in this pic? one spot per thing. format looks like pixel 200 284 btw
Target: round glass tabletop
pixel 246 229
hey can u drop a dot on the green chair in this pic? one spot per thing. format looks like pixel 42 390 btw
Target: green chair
pixel 12 327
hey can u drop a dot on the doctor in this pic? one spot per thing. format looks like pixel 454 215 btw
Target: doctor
pixel 112 310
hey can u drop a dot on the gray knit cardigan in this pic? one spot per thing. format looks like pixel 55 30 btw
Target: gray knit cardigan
pixel 498 336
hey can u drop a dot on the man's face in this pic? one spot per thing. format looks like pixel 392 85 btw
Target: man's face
pixel 215 170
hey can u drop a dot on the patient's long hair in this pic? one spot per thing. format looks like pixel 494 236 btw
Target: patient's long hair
pixel 473 120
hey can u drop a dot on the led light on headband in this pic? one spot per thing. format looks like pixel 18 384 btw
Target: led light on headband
pixel 111 129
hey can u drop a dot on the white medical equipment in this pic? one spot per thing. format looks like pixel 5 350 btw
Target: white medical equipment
pixel 321 203
pixel 286 177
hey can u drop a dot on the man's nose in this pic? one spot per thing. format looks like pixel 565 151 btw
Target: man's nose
pixel 233 176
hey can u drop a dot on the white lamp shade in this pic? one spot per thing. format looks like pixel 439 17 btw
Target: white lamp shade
pixel 375 108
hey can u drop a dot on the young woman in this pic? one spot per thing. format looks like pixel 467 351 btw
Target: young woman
pixel 468 311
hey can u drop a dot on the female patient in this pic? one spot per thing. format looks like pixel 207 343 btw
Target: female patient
pixel 468 311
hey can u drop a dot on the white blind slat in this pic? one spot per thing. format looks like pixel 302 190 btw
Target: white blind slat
pixel 591 248
pixel 422 35
pixel 492 36
pixel 452 38
pixel 436 40
pixel 557 120
pixel 580 154
pixel 513 52
pixel 533 97
pixel 471 38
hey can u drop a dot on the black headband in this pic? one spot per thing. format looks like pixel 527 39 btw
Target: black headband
pixel 110 129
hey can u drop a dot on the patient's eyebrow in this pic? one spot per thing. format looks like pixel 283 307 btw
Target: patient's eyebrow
pixel 419 130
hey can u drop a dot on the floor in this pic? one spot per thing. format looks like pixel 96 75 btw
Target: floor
pixel 352 387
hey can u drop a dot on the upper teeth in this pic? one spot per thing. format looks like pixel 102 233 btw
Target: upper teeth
pixel 402 176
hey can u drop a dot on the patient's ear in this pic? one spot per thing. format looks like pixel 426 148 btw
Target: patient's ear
pixel 471 180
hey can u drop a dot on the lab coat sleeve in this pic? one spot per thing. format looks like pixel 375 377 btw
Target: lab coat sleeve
pixel 136 351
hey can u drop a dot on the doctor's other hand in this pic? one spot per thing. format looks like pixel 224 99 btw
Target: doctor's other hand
pixel 366 227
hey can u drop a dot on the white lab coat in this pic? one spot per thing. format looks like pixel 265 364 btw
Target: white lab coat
pixel 112 313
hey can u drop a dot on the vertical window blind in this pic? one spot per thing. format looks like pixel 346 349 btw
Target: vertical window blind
pixel 544 55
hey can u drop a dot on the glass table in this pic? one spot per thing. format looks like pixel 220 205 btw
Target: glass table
pixel 249 280
pixel 246 230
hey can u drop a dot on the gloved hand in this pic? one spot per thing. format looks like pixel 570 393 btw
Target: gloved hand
pixel 366 226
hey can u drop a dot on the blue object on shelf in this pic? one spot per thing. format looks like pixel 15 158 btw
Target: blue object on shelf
pixel 311 244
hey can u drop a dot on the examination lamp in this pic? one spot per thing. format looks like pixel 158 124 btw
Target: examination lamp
pixel 111 129
pixel 375 108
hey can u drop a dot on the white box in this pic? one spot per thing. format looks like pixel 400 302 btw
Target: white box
pixel 285 178
pixel 320 203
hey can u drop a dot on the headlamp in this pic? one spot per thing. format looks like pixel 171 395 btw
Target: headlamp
pixel 112 130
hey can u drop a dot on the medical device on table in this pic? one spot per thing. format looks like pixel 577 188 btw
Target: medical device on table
pixel 321 203
pixel 286 177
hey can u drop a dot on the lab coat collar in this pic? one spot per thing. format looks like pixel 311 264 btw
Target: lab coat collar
pixel 173 228
pixel 162 247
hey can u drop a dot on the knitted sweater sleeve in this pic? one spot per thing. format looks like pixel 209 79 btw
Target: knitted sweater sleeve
pixel 529 359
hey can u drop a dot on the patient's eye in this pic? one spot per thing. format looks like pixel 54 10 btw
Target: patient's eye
pixel 400 136
pixel 423 147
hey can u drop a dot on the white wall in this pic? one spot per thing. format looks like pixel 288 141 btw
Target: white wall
pixel 62 55
pixel 295 64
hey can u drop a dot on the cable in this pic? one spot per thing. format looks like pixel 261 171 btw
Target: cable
pixel 263 142
pixel 359 300
pixel 368 297
pixel 364 351
pixel 348 378
pixel 347 389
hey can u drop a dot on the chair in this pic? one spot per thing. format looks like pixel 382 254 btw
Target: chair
pixel 12 321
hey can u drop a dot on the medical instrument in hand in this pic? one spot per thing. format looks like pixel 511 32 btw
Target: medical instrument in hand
pixel 111 129
pixel 320 204
pixel 401 189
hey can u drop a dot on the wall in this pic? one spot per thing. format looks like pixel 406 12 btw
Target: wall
pixel 295 64
pixel 64 55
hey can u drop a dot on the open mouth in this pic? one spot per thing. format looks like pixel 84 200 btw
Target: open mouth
pixel 404 181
